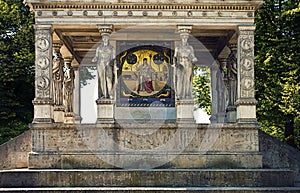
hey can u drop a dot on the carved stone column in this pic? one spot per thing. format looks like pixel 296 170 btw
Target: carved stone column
pixel 69 77
pixel 76 102
pixel 43 101
pixel 58 78
pixel 246 103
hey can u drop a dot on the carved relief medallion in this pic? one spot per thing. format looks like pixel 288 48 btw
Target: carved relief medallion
pixel 248 83
pixel 247 63
pixel 42 83
pixel 43 62
pixel 42 44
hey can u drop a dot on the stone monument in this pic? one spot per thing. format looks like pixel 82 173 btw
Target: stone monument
pixel 143 54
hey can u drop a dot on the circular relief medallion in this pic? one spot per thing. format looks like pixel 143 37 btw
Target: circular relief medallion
pixel 247 63
pixel 43 62
pixel 42 82
pixel 248 83
pixel 42 44
pixel 247 43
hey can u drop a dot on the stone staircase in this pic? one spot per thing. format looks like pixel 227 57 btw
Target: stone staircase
pixel 151 180
pixel 280 174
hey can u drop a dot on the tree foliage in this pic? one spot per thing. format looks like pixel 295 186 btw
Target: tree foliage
pixel 16 68
pixel 201 88
pixel 277 68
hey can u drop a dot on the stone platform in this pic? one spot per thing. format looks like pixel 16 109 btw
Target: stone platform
pixel 148 178
pixel 155 180
pixel 137 146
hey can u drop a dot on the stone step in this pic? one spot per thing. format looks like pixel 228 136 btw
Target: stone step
pixel 148 178
pixel 157 190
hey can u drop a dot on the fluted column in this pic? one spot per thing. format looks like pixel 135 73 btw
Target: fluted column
pixel 43 101
pixel 246 103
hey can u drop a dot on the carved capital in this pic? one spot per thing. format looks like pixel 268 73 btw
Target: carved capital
pixel 105 29
pixel 57 45
pixel 68 60
pixel 184 29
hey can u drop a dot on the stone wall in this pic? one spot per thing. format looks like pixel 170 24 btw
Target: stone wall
pixel 14 153
pixel 277 154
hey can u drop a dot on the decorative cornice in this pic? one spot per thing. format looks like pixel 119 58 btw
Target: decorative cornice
pixel 120 6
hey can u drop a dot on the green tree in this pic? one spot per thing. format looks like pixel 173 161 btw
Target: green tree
pixel 16 68
pixel 277 48
pixel 201 88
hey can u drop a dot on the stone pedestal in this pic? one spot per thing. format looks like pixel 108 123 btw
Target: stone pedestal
pixel 70 118
pixel 185 111
pixel 59 114
pixel 43 111
pixel 230 114
pixel 105 111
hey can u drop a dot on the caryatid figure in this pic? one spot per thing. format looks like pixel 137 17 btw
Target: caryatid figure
pixel 58 77
pixel 106 67
pixel 184 59
pixel 69 86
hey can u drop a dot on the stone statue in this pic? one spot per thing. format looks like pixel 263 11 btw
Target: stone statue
pixel 69 77
pixel 106 67
pixel 58 77
pixel 184 58
pixel 232 80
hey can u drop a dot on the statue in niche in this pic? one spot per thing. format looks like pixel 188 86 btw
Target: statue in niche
pixel 69 77
pixel 184 59
pixel 144 72
pixel 58 77
pixel 106 68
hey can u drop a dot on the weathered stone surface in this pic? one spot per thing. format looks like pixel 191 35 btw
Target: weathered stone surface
pixel 138 146
pixel 277 154
pixel 14 153
pixel 147 178
pixel 157 190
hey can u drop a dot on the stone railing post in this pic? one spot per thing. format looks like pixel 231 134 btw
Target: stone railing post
pixel 246 103
pixel 43 101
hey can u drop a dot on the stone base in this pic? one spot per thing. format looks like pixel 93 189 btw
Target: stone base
pixel 69 118
pixel 59 114
pixel 131 160
pixel 105 111
pixel 137 146
pixel 185 111
pixel 230 117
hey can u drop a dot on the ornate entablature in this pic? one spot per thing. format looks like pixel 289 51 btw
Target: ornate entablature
pixel 159 12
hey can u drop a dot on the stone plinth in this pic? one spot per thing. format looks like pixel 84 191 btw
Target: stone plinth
pixel 139 146
pixel 69 118
pixel 59 114
pixel 185 111
pixel 105 111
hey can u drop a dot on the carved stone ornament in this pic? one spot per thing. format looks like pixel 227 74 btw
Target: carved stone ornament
pixel 43 62
pixel 42 83
pixel 248 83
pixel 42 44
pixel 247 63
pixel 247 43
